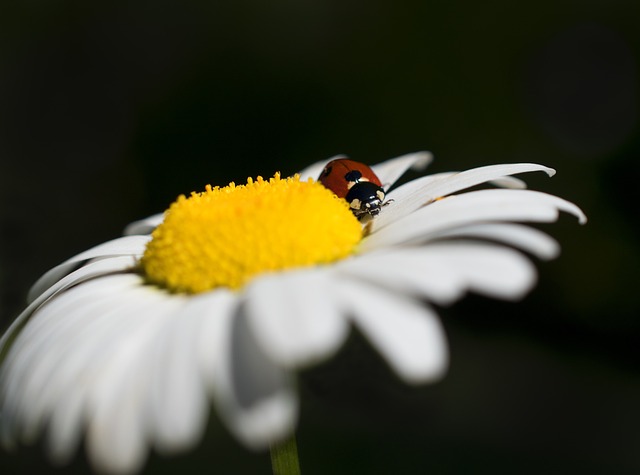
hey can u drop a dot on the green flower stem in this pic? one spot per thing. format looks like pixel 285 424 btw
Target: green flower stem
pixel 284 457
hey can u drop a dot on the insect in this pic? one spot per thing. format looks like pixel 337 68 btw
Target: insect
pixel 357 183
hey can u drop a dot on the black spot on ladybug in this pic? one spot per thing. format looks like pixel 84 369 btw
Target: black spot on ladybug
pixel 353 176
pixel 327 171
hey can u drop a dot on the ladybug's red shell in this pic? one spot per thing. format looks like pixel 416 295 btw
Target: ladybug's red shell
pixel 335 173
pixel 357 184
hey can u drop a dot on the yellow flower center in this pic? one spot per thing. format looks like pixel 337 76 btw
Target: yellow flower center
pixel 223 237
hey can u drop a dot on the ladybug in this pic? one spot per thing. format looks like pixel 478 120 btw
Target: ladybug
pixel 357 183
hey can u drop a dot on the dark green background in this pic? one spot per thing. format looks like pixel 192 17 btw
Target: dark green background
pixel 108 110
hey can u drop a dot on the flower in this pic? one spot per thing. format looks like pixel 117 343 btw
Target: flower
pixel 238 287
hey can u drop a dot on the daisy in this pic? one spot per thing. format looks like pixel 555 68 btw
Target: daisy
pixel 231 290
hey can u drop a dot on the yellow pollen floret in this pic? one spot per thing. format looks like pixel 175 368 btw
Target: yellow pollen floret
pixel 223 237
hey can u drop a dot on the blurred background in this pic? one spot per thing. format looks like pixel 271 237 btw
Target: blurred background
pixel 109 110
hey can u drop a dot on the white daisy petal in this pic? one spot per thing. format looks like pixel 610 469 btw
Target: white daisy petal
pixel 124 246
pixel 179 406
pixel 90 271
pixel 494 271
pixel 405 199
pixel 216 310
pixel 388 172
pixel 477 176
pixel 314 170
pixel 509 182
pixel 411 271
pixel 118 401
pixel 254 396
pixel 65 433
pixel 444 272
pixel 470 208
pixel 408 335
pixel 46 348
pixel 417 193
pixel 116 432
pixel 144 226
pixel 99 350
pixel 523 237
pixel 293 319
